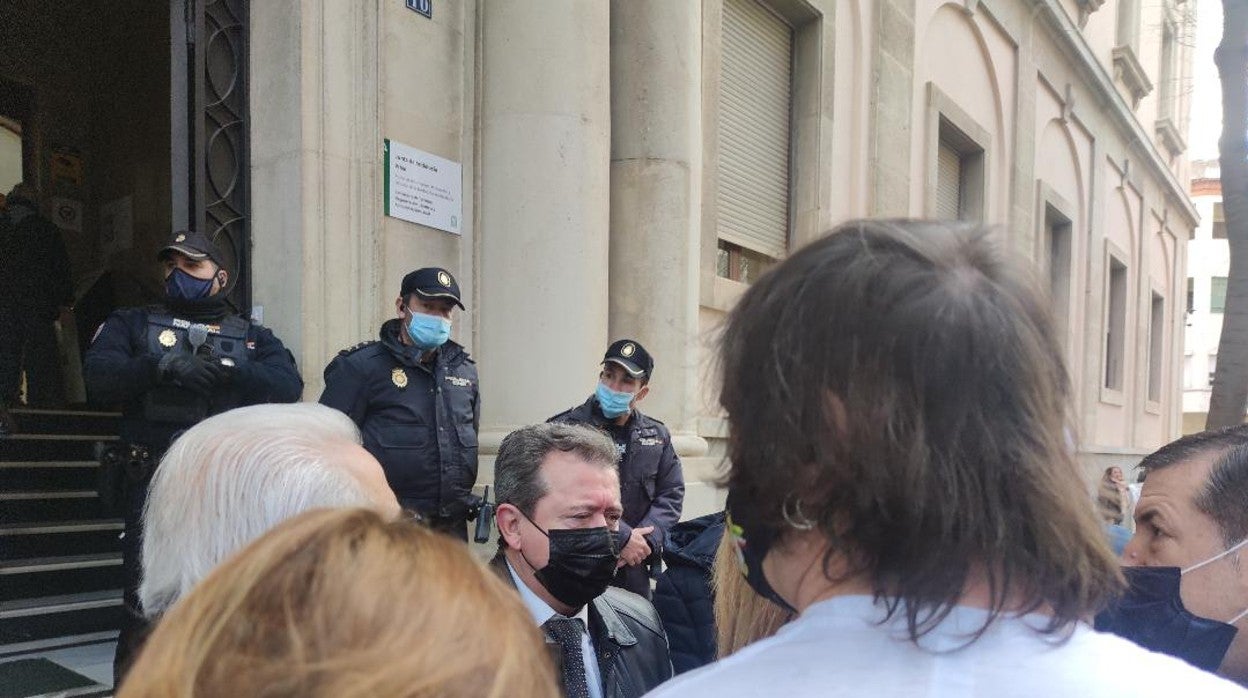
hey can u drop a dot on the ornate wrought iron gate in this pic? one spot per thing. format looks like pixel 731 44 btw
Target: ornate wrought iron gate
pixel 211 187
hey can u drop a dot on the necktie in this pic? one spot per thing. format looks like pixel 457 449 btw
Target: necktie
pixel 567 632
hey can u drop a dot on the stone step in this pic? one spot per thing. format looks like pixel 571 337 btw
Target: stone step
pixel 27 621
pixel 64 574
pixel 51 539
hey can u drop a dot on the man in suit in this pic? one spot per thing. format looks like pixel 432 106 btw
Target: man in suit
pixel 558 493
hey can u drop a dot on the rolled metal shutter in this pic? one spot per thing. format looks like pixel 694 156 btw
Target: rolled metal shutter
pixel 754 128
pixel 948 183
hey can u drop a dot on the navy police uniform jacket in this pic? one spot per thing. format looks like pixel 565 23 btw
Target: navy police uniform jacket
pixel 652 484
pixel 419 419
pixel 120 368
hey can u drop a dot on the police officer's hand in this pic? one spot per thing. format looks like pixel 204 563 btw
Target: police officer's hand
pixel 191 372
pixel 636 550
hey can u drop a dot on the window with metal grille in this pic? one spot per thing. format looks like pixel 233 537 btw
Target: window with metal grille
pixel 754 130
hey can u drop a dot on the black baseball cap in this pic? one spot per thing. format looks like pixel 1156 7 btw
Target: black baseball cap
pixel 431 282
pixel 632 356
pixel 193 244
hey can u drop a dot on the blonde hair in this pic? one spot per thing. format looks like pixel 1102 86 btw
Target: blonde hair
pixel 741 616
pixel 347 604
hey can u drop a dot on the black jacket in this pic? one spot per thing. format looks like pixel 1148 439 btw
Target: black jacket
pixel 419 420
pixel 683 596
pixel 652 484
pixel 34 266
pixel 120 368
pixel 628 639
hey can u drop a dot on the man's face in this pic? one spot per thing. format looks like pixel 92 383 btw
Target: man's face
pixel 202 269
pixel 438 307
pixel 1172 532
pixel 616 378
pixel 361 464
pixel 580 494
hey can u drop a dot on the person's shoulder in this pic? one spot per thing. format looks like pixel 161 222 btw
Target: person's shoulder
pixel 1151 673
pixel 456 353
pixel 134 317
pixel 361 351
pixel 632 607
pixel 578 414
pixel 741 674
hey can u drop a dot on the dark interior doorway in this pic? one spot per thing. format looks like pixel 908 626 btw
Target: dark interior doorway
pixel 85 97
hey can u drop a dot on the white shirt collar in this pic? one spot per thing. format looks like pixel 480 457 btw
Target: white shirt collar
pixel 541 610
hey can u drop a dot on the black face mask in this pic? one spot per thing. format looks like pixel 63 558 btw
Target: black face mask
pixel 1151 615
pixel 753 540
pixel 581 565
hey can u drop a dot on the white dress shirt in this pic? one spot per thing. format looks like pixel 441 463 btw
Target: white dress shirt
pixel 542 612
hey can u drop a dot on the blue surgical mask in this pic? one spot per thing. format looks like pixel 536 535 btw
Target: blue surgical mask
pixel 1151 614
pixel 180 286
pixel 428 331
pixel 613 404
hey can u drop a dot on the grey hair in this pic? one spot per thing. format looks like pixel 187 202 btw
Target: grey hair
pixel 518 470
pixel 231 478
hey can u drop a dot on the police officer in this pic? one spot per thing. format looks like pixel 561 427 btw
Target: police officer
pixel 170 366
pixel 652 484
pixel 413 393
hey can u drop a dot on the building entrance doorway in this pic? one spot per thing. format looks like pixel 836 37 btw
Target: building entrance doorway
pixel 127 119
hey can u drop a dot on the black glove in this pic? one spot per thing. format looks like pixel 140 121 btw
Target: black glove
pixel 191 372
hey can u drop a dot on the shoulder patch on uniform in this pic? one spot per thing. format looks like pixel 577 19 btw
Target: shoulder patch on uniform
pixel 357 347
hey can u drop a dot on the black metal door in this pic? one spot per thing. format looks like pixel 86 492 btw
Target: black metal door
pixel 210 125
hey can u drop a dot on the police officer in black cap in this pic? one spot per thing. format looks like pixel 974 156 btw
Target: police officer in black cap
pixel 170 366
pixel 652 483
pixel 413 393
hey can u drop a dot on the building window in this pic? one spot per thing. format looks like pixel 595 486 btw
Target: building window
pixel 1191 294
pixel 10 153
pixel 1217 294
pixel 739 264
pixel 1219 221
pixel 1115 324
pixel 1058 231
pixel 959 175
pixel 754 135
pixel 1156 348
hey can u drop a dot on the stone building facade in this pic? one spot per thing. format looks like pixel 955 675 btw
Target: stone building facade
pixel 628 166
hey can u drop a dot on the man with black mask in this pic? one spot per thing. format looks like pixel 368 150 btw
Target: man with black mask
pixel 169 367
pixel 558 509
pixel 1186 563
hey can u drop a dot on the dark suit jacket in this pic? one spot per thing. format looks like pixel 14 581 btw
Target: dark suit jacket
pixel 628 639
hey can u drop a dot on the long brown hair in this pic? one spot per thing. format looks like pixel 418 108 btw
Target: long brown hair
pixel 897 385
pixel 345 603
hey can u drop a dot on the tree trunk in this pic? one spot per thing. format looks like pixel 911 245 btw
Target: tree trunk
pixel 1229 396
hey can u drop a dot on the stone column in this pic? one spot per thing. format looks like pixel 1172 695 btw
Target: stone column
pixel 544 195
pixel 656 174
